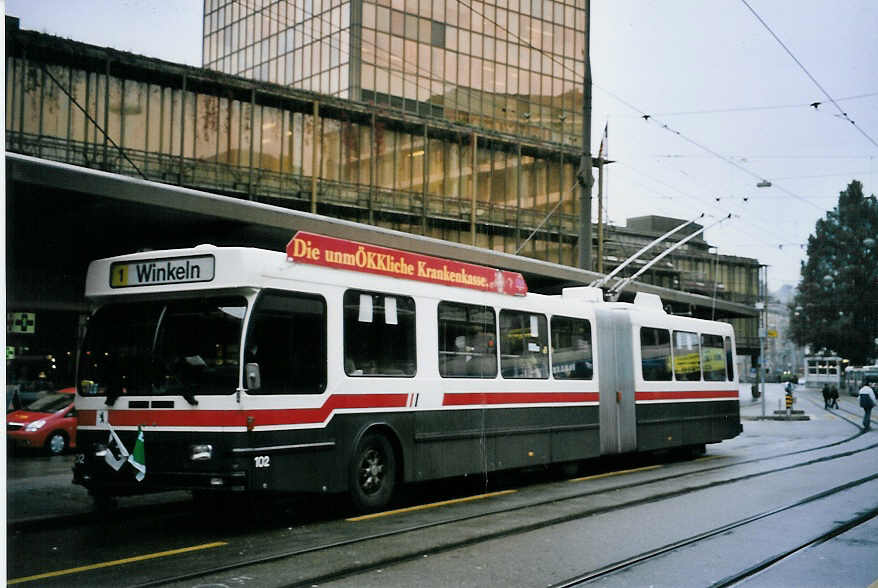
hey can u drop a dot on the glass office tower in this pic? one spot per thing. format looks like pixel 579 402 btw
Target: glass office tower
pixel 514 66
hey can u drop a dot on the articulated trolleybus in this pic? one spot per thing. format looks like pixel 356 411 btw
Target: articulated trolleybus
pixel 340 366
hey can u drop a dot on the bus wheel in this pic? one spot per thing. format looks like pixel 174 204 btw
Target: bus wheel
pixel 373 473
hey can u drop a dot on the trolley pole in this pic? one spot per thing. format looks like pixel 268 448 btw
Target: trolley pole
pixel 763 320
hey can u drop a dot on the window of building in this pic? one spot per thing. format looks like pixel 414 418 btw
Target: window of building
pixel 383 19
pixel 369 15
pixel 571 349
pixel 524 345
pixel 655 354
pixel 713 359
pixel 379 334
pixel 397 23
pixel 687 360
pixel 467 346
pixel 437 34
pixel 287 339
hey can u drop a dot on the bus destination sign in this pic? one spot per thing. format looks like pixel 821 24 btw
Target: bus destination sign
pixel 343 254
pixel 154 272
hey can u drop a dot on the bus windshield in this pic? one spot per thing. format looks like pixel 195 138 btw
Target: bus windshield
pixel 181 347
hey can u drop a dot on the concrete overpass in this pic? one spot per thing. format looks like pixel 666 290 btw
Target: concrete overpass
pixel 59 217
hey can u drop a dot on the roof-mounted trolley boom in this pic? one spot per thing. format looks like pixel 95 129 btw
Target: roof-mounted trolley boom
pixel 601 281
pixel 616 289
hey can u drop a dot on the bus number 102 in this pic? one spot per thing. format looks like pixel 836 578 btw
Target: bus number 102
pixel 262 461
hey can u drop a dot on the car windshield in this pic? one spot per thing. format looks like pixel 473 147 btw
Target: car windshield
pixel 51 403
pixel 182 347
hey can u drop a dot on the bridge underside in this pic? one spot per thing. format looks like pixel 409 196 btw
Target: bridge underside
pixel 60 217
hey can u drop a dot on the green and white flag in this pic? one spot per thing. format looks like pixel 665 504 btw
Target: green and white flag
pixel 138 458
pixel 115 462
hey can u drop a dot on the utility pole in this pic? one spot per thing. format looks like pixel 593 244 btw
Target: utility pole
pixel 763 320
pixel 585 177
pixel 601 162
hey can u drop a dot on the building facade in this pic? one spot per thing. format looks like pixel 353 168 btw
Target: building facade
pixel 783 358
pixel 514 66
pixel 505 182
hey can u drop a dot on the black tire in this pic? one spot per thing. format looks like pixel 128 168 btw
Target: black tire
pixel 56 443
pixel 568 469
pixel 372 476
pixel 692 451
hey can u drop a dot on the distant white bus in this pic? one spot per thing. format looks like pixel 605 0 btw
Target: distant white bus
pixel 855 376
pixel 823 369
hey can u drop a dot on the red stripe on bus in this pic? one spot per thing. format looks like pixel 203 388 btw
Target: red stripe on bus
pixel 238 418
pixel 686 395
pixel 478 398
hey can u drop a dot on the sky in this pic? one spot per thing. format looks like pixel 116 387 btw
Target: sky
pixel 702 100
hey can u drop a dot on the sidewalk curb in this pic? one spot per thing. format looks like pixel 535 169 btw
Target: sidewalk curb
pixel 778 417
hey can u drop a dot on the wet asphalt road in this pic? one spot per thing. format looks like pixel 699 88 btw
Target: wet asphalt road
pixel 39 491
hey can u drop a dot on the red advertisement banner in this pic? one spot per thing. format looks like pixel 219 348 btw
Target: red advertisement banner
pixel 351 255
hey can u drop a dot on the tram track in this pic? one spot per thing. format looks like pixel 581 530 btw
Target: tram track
pixel 779 558
pixel 501 529
pixel 400 531
pixel 184 507
pixel 731 580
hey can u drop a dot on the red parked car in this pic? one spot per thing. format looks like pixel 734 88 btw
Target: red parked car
pixel 49 423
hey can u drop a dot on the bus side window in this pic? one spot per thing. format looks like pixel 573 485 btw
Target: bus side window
pixel 571 349
pixel 713 361
pixel 655 354
pixel 379 334
pixel 466 341
pixel 524 345
pixel 730 359
pixel 287 338
pixel 687 358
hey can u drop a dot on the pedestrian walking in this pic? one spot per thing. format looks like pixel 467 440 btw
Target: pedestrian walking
pixel 833 397
pixel 867 401
pixel 826 396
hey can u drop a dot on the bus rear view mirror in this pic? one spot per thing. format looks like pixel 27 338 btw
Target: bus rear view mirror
pixel 253 378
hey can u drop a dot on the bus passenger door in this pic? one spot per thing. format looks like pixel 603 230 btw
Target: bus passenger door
pixel 616 382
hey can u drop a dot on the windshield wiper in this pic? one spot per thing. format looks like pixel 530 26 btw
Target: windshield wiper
pixel 113 394
pixel 188 395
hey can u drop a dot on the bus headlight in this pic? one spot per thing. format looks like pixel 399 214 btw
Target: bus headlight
pixel 200 452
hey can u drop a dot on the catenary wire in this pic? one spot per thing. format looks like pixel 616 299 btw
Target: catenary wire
pixel 758 108
pixel 645 116
pixel 648 118
pixel 700 201
pixel 808 73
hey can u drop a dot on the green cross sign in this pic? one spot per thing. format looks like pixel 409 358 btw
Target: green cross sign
pixel 21 322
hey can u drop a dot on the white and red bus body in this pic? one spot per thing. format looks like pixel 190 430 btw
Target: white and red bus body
pixel 257 370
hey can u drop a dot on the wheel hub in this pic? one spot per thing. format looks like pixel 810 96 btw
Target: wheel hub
pixel 372 470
